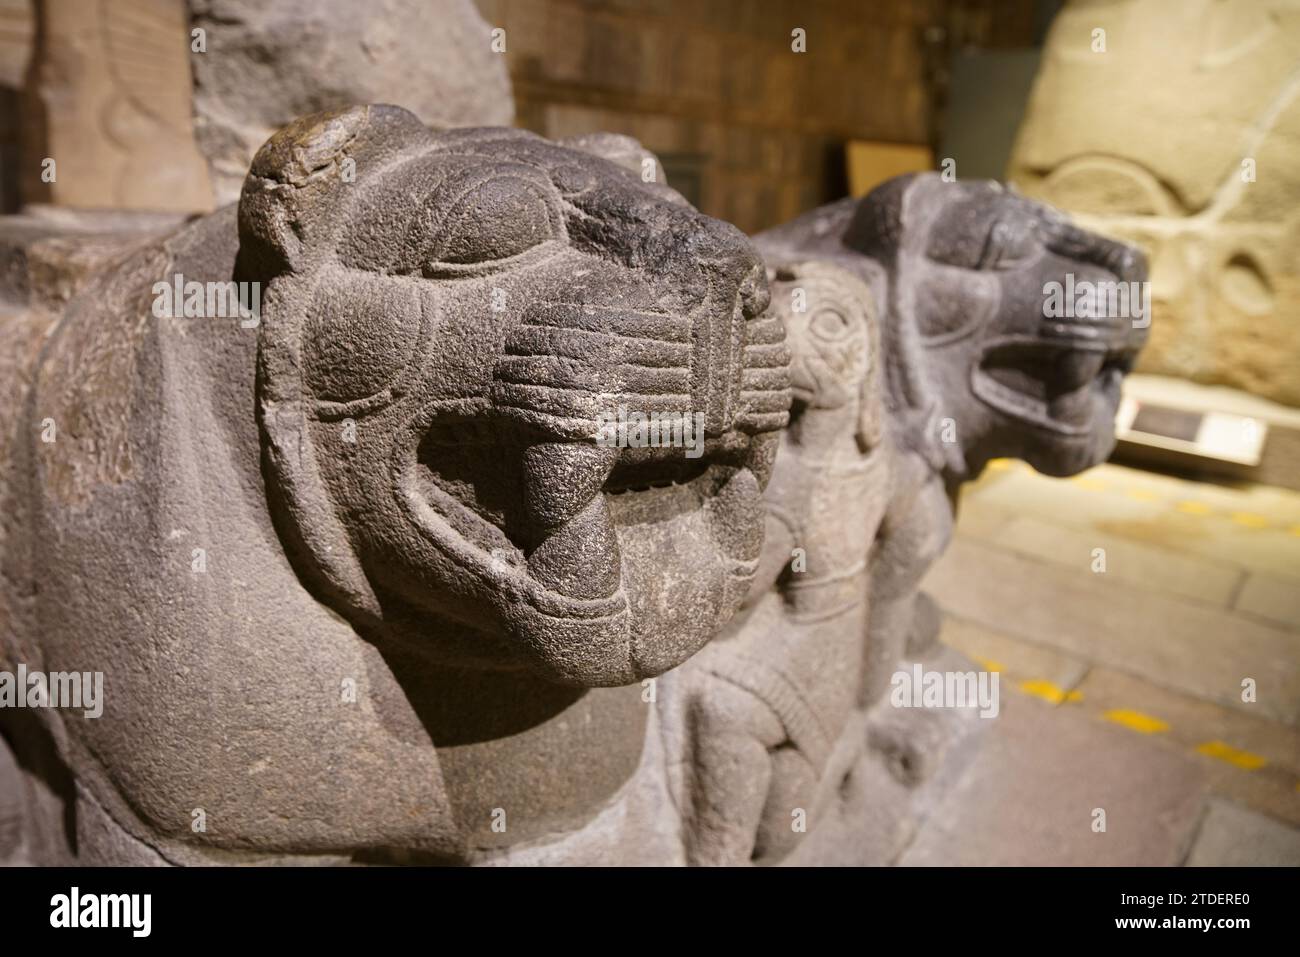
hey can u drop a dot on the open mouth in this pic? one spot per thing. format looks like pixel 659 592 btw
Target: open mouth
pixel 471 463
pixel 655 484
pixel 643 551
pixel 1064 386
pixel 598 551
pixel 645 473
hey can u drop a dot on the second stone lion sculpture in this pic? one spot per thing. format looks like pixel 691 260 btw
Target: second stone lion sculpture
pixel 975 366
pixel 789 743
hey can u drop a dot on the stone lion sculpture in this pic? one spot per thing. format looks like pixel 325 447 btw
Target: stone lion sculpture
pixel 361 581
pixel 318 484
pixel 975 368
pixel 790 750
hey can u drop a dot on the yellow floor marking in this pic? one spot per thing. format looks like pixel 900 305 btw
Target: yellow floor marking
pixel 1091 484
pixel 1142 495
pixel 1048 691
pixel 1194 508
pixel 989 664
pixel 1295 530
pixel 1250 519
pixel 1226 752
pixel 1000 465
pixel 1136 721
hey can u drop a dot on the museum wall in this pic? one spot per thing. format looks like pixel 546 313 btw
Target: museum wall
pixel 754 132
pixel 751 131
pixel 747 129
pixel 1176 124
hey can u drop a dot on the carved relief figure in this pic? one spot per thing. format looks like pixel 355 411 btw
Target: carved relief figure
pixel 764 706
pixel 1182 140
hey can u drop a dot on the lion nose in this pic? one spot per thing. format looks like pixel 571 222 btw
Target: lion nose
pixel 738 288
pixel 726 252
pixel 1129 263
pixel 1126 262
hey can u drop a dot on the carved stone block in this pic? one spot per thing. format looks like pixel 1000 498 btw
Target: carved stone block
pixel 267 63
pixel 109 103
pixel 1175 126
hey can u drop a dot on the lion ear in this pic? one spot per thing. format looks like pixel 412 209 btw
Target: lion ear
pixel 299 178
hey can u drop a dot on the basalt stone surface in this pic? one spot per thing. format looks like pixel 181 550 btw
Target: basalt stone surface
pixel 47 253
pixel 973 369
pixel 268 62
pixel 760 713
pixel 367 585
pixel 361 583
pixel 484 307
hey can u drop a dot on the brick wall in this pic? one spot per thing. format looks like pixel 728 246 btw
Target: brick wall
pixel 751 130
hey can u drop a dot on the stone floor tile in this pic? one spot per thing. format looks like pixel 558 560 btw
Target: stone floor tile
pixel 1233 836
pixel 1273 598
pixel 1031 796
pixel 1172 642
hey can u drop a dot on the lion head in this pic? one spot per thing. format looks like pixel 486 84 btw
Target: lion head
pixel 978 332
pixel 445 320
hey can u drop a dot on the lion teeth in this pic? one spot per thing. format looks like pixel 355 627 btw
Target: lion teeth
pixel 573 544
pixel 1079 367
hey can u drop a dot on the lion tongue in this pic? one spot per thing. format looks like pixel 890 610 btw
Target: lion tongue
pixel 734 512
pixel 1071 400
pixel 574 548
pixel 1077 367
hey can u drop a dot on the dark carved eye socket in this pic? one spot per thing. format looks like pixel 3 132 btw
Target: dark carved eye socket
pixel 358 336
pixel 987 232
pixel 830 325
pixel 482 217
pixel 1010 241
pixel 452 216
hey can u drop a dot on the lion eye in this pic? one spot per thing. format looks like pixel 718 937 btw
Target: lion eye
pixel 1009 242
pixel 990 230
pixel 829 325
pixel 491 219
